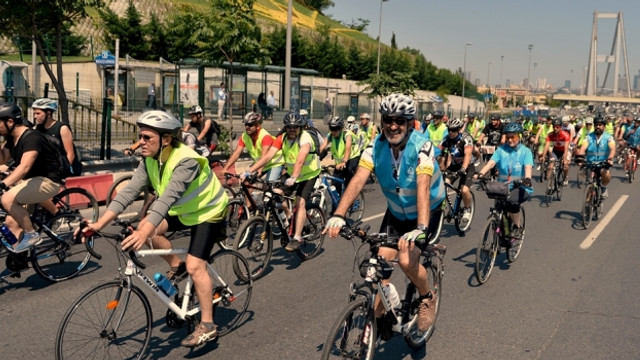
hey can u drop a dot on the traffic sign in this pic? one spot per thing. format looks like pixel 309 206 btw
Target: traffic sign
pixel 106 59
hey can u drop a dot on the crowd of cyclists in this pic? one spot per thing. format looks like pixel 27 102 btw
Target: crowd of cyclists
pixel 406 155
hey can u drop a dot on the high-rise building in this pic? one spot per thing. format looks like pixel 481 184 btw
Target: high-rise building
pixel 636 81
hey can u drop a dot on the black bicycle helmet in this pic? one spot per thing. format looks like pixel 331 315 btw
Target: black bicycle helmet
pixel 494 116
pixel 557 122
pixel 599 119
pixel 294 119
pixel 160 121
pixel 513 127
pixel 11 111
pixel 251 118
pixel 336 124
pixel 438 114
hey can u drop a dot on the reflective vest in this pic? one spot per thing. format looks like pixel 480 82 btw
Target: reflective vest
pixel 479 124
pixel 290 150
pixel 339 146
pixel 204 199
pixel 437 134
pixel 255 150
pixel 367 135
pixel 400 190
pixel 609 128
pixel 598 150
pixel 583 134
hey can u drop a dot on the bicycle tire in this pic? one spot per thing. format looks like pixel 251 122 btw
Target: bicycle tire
pixel 85 331
pixel 579 175
pixel 60 258
pixel 232 291
pixel 345 340
pixel 514 251
pixel 587 206
pixel 435 237
pixel 463 229
pixel 417 339
pixel 134 211
pixel 312 236
pixel 487 251
pixel 71 201
pixel 559 185
pixel 254 241
pixel 237 213
pixel 356 210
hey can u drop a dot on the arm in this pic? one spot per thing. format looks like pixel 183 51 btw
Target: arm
pixel 234 157
pixel 205 129
pixel 26 163
pixel 263 160
pixel 67 143
pixel 5 155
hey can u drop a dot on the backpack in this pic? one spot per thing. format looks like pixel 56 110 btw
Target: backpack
pixel 315 135
pixel 215 127
pixel 74 169
pixel 52 144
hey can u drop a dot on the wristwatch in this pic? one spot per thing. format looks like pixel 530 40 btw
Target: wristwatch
pixel 422 227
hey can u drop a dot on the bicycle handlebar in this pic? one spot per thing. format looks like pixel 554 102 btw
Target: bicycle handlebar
pixel 127 230
pixel 352 229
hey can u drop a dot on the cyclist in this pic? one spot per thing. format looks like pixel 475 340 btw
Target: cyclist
pixel 584 131
pixel 633 142
pixel 404 163
pixel 257 141
pixel 208 129
pixel 189 197
pixel 493 134
pixel 474 128
pixel 437 130
pixel 36 177
pixel 559 152
pixel 305 115
pixel 459 146
pixel 541 137
pixel 43 110
pixel 302 163
pixel 344 150
pixel 367 131
pixel 567 126
pixel 514 161
pixel 600 146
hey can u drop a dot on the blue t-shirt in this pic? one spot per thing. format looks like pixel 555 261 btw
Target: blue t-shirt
pixel 511 162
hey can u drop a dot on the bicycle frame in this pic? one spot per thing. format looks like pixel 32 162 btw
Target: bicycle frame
pixel 452 206
pixel 323 184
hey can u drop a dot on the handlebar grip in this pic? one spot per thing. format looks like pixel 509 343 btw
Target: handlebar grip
pixel 88 243
pixel 134 258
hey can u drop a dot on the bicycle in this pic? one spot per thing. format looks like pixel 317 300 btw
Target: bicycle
pixel 631 163
pixel 114 319
pixel 592 200
pixel 255 237
pixel 325 184
pixel 354 333
pixel 556 181
pixel 497 232
pixel 581 174
pixel 453 206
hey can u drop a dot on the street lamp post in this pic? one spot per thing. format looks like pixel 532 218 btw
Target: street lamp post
pixel 529 67
pixel 464 76
pixel 501 63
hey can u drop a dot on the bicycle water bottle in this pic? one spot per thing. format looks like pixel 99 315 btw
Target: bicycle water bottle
pixel 283 218
pixel 164 284
pixel 392 294
pixel 8 235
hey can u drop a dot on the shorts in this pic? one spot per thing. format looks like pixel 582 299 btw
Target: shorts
pixel 556 155
pixel 203 235
pixel 396 227
pixel 302 189
pixel 471 169
pixel 34 190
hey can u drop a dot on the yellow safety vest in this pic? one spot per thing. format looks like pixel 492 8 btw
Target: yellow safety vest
pixel 338 146
pixel 255 150
pixel 311 166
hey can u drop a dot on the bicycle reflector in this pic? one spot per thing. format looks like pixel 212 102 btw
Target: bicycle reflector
pixel 112 304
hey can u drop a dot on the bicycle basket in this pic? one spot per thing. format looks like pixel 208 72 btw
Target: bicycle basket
pixel 497 190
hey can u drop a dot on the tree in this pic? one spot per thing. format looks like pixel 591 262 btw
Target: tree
pixel 360 24
pixel 384 84
pixel 158 44
pixel 34 18
pixel 394 45
pixel 317 5
pixel 129 30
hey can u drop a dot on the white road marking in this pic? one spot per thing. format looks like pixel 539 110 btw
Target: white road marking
pixel 373 217
pixel 593 235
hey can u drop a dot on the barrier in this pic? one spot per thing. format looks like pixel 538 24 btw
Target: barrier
pixel 97 185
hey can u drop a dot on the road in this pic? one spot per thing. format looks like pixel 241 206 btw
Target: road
pixel 557 301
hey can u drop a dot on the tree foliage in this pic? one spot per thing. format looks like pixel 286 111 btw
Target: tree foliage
pixel 129 29
pixel 318 5
pixel 384 84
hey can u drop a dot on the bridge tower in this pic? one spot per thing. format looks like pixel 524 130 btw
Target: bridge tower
pixel 619 45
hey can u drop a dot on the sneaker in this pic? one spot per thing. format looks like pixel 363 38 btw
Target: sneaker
pixel 427 311
pixel 565 183
pixel 199 336
pixel 477 163
pixel 177 272
pixel 29 239
pixel 516 232
pixel 538 167
pixel 549 191
pixel 605 194
pixel 293 245
pixel 466 217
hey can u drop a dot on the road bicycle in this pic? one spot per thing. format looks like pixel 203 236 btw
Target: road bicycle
pixel 556 181
pixel 325 185
pixel 631 163
pixel 497 232
pixel 581 174
pixel 114 319
pixel 453 205
pixel 592 200
pixel 354 334
pixel 255 237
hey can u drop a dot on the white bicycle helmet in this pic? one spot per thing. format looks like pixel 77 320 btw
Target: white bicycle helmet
pixel 588 120
pixel 303 113
pixel 45 104
pixel 160 121
pixel 455 123
pixel 365 116
pixel 398 105
pixel 195 109
pixel 566 119
pixel 351 119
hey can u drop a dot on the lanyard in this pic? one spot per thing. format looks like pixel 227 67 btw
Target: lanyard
pixel 396 167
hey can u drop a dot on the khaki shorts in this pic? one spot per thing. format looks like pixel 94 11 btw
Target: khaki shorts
pixel 34 190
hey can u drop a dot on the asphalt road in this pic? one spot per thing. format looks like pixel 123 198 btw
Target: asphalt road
pixel 557 301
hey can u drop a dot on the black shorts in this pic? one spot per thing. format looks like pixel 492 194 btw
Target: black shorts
pixel 396 227
pixel 471 169
pixel 302 189
pixel 203 235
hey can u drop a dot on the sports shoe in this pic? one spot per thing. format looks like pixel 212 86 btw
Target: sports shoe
pixel 549 191
pixel 605 194
pixel 477 163
pixel 199 336
pixel 466 217
pixel 516 232
pixel 177 272
pixel 29 239
pixel 538 167
pixel 427 311
pixel 565 183
pixel 293 245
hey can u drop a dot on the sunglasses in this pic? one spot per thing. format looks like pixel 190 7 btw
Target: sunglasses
pixel 146 138
pixel 250 125
pixel 512 136
pixel 388 120
pixel 291 127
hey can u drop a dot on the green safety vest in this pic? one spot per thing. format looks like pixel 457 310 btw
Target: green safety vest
pixel 480 124
pixel 204 199
pixel 436 135
pixel 339 146
pixel 255 150
pixel 290 151
pixel 609 128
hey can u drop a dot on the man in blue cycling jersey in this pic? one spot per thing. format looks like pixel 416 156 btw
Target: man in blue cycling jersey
pixel 600 146
pixel 404 163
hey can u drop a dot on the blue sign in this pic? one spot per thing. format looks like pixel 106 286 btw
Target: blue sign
pixel 106 59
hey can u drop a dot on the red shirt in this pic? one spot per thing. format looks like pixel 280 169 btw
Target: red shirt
pixel 559 140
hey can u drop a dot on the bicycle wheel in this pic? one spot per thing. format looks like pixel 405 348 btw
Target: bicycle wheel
pixel 435 237
pixel 254 241
pixel 559 184
pixel 516 246
pixel 356 210
pixel 580 177
pixel 59 257
pixel 415 338
pixel 232 289
pixel 487 251
pixel 587 205
pixel 134 211
pixel 237 213
pixel 353 335
pixel 312 236
pixel 458 218
pixel 107 322
pixel 71 201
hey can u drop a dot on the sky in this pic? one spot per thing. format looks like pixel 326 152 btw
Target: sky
pixel 500 32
